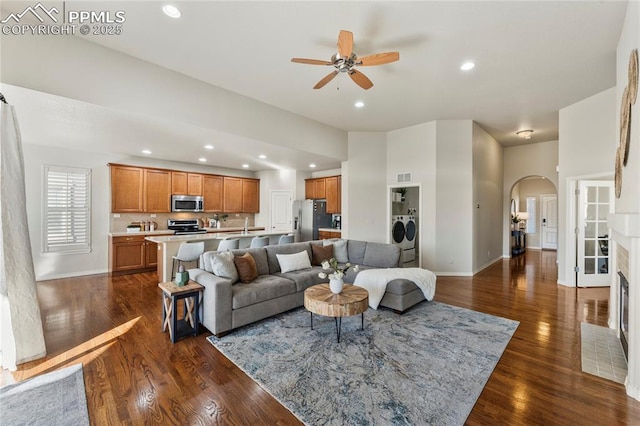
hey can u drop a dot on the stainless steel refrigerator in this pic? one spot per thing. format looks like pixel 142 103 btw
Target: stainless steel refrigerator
pixel 308 216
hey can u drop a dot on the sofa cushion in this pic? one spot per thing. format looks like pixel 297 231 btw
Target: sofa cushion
pixel 304 278
pixel 222 265
pixel 321 253
pixel 294 262
pixel 356 251
pixel 259 255
pixel 340 251
pixel 265 287
pixel 271 251
pixel 246 266
pixel 381 255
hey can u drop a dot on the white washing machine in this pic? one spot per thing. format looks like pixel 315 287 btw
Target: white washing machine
pixel 403 234
pixel 398 230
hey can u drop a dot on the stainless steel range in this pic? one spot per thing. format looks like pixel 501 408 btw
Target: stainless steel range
pixel 185 226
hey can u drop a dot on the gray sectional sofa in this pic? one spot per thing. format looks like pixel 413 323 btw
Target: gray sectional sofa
pixel 228 305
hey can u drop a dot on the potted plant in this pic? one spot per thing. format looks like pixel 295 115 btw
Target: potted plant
pixel 403 193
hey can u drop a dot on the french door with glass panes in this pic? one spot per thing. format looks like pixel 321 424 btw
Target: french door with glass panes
pixel 595 202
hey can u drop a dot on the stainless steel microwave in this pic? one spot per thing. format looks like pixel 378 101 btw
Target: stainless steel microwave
pixel 187 203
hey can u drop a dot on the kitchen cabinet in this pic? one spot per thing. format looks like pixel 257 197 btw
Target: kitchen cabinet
pixel 212 190
pixel 184 183
pixel 157 191
pixel 250 195
pixel 314 188
pixel 127 186
pixel 232 198
pixel 332 194
pixel 325 235
pixel 132 254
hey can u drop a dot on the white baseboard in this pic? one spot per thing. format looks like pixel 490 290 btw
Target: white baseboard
pixel 70 275
pixel 486 265
pixel 453 274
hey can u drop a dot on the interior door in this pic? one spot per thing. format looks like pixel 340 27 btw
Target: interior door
pixel 281 211
pixel 595 202
pixel 549 221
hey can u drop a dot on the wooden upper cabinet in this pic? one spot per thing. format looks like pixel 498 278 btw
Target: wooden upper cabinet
pixel 331 189
pixel 127 185
pixel 183 183
pixel 309 189
pixel 320 191
pixel 212 191
pixel 339 194
pixel 250 195
pixel 157 191
pixel 232 201
pixel 179 183
pixel 194 184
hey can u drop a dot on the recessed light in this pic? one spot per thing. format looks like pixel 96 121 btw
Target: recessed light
pixel 171 11
pixel 146 151
pixel 359 104
pixel 467 66
pixel 312 165
pixel 246 166
pixel 202 160
pixel 208 147
pixel 262 156
pixel 525 134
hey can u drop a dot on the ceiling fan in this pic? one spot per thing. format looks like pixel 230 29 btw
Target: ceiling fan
pixel 345 61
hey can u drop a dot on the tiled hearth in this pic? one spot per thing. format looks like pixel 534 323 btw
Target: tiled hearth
pixel 625 233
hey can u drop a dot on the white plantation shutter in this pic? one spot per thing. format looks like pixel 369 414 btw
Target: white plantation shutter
pixel 67 209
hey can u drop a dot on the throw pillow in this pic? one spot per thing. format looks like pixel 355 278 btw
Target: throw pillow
pixel 247 269
pixel 321 253
pixel 294 262
pixel 223 265
pixel 339 250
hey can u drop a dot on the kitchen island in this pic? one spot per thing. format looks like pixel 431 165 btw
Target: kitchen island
pixel 168 245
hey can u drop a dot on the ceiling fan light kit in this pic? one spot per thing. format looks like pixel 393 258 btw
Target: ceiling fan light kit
pixel 345 61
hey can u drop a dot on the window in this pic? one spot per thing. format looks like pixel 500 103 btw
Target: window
pixel 531 211
pixel 67 210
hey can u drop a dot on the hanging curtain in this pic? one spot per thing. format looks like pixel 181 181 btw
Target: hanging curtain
pixel 21 335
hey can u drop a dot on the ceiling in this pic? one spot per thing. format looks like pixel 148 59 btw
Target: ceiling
pixel 532 58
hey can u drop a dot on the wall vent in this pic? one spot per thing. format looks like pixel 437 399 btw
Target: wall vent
pixel 403 177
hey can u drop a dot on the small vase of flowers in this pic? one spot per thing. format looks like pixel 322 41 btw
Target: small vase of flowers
pixel 336 278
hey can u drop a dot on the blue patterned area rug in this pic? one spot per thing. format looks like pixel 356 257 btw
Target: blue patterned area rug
pixel 427 366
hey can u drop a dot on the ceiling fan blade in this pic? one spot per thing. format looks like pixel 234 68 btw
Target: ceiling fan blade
pixel 345 43
pixel 360 79
pixel 311 61
pixel 379 59
pixel 326 79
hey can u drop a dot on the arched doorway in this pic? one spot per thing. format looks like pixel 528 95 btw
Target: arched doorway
pixel 533 213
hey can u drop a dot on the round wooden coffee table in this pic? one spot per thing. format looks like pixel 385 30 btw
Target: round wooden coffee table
pixel 353 300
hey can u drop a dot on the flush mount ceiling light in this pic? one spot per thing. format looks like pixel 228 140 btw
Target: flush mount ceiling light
pixel 467 66
pixel 246 166
pixel 312 165
pixel 262 156
pixel 146 151
pixel 202 160
pixel 359 104
pixel 171 11
pixel 208 147
pixel 525 134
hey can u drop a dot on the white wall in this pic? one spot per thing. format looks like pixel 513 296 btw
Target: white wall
pixel 78 69
pixel 538 159
pixel 366 187
pixel 454 197
pixel 413 149
pixel 488 220
pixel 586 151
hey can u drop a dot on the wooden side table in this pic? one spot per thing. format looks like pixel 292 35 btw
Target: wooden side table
pixel 171 294
pixel 352 300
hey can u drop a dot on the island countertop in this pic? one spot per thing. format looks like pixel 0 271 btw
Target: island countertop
pixel 168 245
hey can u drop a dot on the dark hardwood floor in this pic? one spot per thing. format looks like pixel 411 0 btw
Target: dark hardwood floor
pixel 134 375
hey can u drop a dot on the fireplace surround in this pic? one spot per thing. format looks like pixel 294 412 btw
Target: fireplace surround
pixel 624 313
